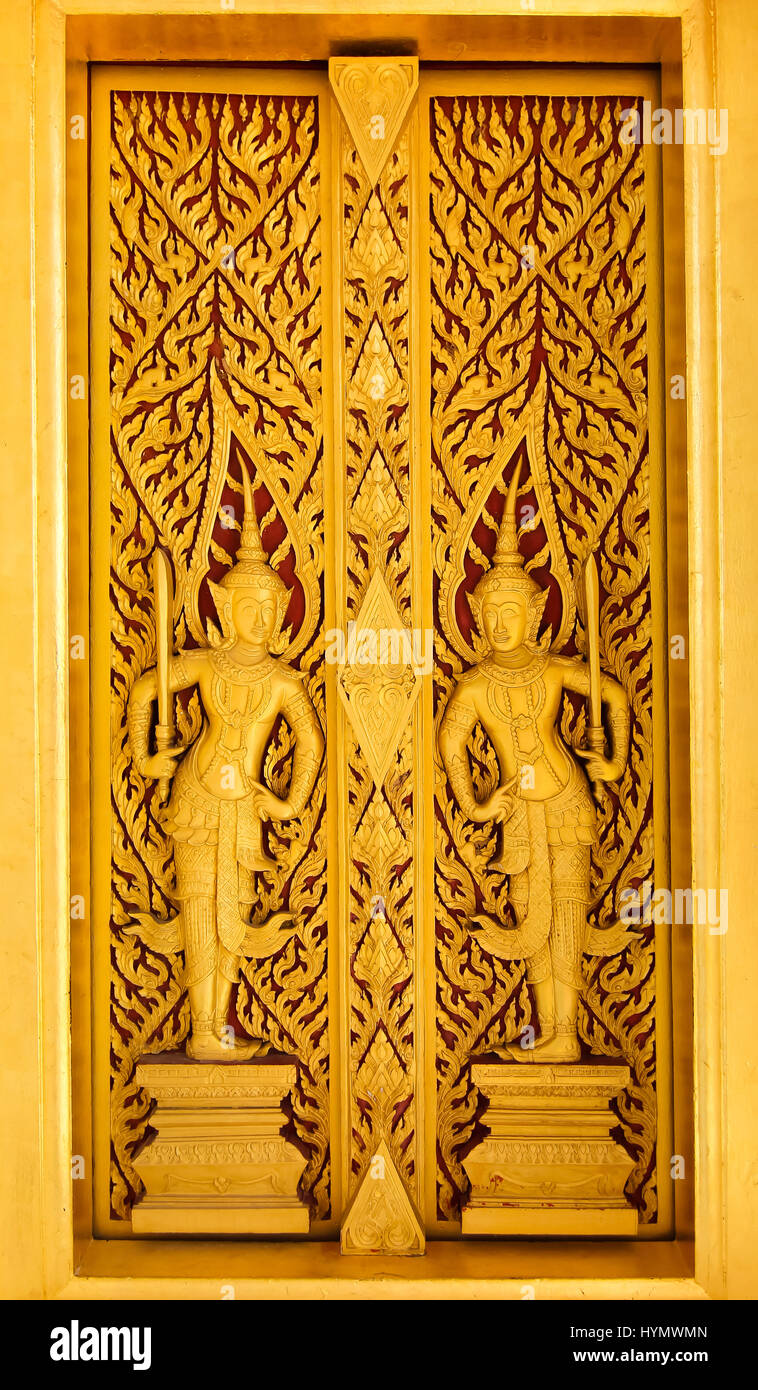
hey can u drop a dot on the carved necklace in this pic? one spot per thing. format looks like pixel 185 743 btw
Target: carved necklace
pixel 234 670
pixel 227 677
pixel 517 675
pixel 256 701
pixel 527 743
pixel 499 700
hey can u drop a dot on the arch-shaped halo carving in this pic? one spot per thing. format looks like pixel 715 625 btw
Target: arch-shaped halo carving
pixel 454 573
pixel 228 422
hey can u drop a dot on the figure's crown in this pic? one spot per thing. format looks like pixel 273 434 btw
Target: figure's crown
pixel 251 565
pixel 507 570
pixel 506 550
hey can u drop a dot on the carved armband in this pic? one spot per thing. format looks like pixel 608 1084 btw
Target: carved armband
pixel 303 777
pixel 618 723
pixel 300 717
pixel 460 781
pixel 456 727
pixel 180 671
pixel 138 723
pixel 457 722
pixel 303 721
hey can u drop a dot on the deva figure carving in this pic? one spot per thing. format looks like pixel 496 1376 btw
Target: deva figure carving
pixel 543 801
pixel 218 800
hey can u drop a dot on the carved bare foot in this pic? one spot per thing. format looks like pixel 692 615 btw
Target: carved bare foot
pixel 561 1047
pixel 240 1048
pixel 206 1047
pixel 547 1031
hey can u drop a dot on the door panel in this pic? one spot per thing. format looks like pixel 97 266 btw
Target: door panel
pixel 539 310
pixel 215 310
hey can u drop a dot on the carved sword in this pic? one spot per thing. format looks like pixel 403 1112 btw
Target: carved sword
pixel 595 731
pixel 163 589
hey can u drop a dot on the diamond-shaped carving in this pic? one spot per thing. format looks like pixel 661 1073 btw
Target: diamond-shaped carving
pixel 374 96
pixel 379 960
pixel 378 683
pixel 383 1075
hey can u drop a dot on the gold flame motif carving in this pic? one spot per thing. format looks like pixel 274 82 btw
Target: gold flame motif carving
pixel 539 357
pixel 216 380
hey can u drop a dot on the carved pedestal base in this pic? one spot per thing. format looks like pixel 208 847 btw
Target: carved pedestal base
pixel 549 1166
pixel 218 1164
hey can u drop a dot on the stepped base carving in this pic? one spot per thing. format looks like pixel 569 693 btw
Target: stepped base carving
pixel 218 1164
pixel 549 1166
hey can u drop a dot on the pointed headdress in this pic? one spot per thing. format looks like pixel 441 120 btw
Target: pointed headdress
pixel 507 570
pixel 251 568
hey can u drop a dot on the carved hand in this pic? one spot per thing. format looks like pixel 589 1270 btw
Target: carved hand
pixel 497 807
pixel 161 764
pixel 599 769
pixel 268 805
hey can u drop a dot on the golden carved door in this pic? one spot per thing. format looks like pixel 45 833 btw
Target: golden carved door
pixel 378 504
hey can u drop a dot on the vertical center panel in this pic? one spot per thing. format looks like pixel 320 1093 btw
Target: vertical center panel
pixel 379 652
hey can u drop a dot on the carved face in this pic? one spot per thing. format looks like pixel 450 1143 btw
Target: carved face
pixel 254 613
pixel 505 619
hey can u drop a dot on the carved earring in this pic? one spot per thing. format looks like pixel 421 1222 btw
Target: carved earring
pixel 537 606
pixel 223 603
pixel 279 642
pixel 476 613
